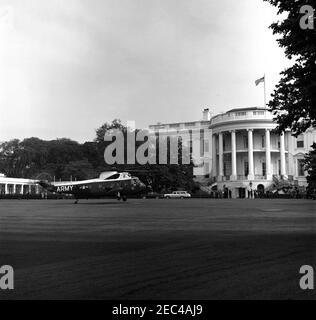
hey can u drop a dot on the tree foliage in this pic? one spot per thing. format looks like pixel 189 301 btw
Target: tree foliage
pixel 294 100
pixel 310 165
pixel 100 132
pixel 32 157
pixel 65 159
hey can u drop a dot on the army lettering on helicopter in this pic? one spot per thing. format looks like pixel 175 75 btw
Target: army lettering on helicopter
pixel 67 188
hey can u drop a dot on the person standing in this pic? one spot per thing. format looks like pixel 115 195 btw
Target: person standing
pixel 250 191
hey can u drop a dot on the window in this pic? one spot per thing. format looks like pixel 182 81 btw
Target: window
pixel 114 176
pixel 246 168
pixel 202 148
pixel 300 143
pixel 279 166
pixel 206 146
pixel 300 167
pixel 245 142
pixel 207 168
pixel 158 127
pixel 240 114
pixel 258 113
pixel 264 171
pixel 263 141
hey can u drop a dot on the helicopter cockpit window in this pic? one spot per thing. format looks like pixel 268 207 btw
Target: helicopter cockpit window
pixel 113 177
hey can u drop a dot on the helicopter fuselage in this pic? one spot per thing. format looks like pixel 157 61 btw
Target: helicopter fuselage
pixel 117 185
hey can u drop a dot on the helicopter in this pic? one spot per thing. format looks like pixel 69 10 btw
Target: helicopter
pixel 109 184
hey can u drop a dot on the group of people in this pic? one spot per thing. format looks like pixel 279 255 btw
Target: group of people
pixel 253 193
pixel 226 193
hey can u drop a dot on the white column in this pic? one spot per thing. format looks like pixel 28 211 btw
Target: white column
pixel 268 155
pixel 234 156
pixel 14 188
pixel 221 157
pixel 22 186
pixel 30 189
pixel 6 189
pixel 282 154
pixel 251 175
pixel 214 169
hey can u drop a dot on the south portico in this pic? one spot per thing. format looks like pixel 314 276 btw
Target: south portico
pixel 245 150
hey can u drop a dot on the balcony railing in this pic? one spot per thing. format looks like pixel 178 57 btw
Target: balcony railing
pixel 235 116
pixel 243 177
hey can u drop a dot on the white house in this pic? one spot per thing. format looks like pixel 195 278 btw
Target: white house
pixel 239 147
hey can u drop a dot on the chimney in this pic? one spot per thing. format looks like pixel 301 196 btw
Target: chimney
pixel 206 115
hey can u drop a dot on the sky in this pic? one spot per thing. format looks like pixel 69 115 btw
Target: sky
pixel 67 67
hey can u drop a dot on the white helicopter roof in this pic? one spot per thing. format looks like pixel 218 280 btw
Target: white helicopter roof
pixel 106 174
pixel 103 176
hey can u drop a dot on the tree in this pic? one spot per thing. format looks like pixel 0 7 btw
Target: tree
pixel 100 132
pixel 12 158
pixel 90 152
pixel 79 170
pixel 294 100
pixel 32 157
pixel 159 176
pixel 64 150
pixel 310 165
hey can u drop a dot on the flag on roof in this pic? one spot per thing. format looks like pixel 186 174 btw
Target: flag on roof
pixel 260 80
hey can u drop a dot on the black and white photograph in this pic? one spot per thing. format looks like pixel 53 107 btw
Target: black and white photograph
pixel 157 154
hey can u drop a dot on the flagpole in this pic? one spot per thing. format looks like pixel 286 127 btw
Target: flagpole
pixel 265 96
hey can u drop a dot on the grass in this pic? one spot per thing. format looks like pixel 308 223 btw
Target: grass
pixel 157 249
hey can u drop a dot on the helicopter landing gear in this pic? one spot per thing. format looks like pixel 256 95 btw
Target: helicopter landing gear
pixel 121 197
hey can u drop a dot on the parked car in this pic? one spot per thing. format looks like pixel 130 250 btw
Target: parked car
pixel 177 195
